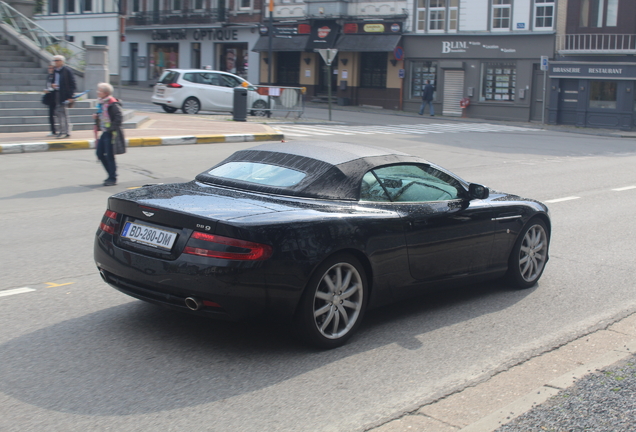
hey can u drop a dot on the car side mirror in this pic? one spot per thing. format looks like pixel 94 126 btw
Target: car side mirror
pixel 477 191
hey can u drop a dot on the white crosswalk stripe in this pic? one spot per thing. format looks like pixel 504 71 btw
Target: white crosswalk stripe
pixel 405 129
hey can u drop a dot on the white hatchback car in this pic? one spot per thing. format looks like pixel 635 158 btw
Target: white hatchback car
pixel 192 90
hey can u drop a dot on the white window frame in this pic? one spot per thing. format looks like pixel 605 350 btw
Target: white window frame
pixel 538 5
pixel 501 5
pixel 241 4
pixel 426 10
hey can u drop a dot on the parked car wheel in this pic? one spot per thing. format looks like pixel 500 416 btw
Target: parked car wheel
pixel 334 302
pixel 259 109
pixel 168 109
pixel 529 255
pixel 191 106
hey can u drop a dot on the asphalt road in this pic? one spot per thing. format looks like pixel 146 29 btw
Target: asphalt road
pixel 76 355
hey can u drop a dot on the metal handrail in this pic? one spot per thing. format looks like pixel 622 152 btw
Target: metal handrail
pixel 44 40
pixel 597 43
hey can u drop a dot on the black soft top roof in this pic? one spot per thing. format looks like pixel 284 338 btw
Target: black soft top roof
pixel 333 170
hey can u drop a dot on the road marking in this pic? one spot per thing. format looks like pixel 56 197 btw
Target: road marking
pixel 16 291
pixel 563 199
pixel 624 188
pixel 53 284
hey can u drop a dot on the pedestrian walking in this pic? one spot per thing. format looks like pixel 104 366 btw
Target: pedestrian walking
pixel 64 86
pixel 108 119
pixel 49 98
pixel 427 97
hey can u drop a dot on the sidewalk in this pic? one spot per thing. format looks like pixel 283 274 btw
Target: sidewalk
pixel 159 129
pixel 516 391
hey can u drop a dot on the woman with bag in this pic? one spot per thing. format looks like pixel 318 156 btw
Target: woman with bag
pixel 108 119
pixel 49 99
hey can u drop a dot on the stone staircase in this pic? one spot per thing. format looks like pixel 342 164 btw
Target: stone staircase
pixel 22 81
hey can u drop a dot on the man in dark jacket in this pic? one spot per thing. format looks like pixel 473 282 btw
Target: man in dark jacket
pixel 427 97
pixel 64 86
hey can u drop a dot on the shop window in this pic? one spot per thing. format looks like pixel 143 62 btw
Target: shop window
pixel 437 16
pixel 373 70
pixel 603 94
pixel 599 13
pixel 543 14
pixel 499 81
pixel 501 14
pixel 420 72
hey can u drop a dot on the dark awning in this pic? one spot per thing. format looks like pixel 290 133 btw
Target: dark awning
pixel 287 43
pixel 367 43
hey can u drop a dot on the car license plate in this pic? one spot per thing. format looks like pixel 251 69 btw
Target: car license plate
pixel 149 235
pixel 160 91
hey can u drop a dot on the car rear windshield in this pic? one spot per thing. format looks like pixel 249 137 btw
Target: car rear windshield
pixel 259 173
pixel 168 77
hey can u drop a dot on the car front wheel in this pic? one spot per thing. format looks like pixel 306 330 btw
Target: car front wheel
pixel 334 302
pixel 168 109
pixel 191 106
pixel 529 255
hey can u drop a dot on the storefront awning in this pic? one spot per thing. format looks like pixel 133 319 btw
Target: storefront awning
pixel 367 43
pixel 289 43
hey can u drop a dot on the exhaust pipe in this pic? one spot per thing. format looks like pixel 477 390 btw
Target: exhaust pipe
pixel 193 303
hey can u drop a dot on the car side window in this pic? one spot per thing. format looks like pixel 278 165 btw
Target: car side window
pixel 409 183
pixel 229 81
pixel 190 77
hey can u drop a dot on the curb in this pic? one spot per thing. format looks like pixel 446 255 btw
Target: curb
pixel 139 142
pixel 540 395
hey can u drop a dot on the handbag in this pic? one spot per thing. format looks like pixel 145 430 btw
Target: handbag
pixel 47 98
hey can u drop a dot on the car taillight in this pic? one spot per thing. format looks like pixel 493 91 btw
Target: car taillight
pixel 215 246
pixel 109 222
pixel 175 85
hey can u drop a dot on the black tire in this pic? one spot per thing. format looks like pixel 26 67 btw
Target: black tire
pixel 529 255
pixel 191 106
pixel 259 109
pixel 334 302
pixel 168 109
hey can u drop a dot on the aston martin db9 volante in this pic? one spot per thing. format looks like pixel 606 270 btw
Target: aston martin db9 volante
pixel 315 233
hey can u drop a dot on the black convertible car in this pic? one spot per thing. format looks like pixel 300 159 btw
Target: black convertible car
pixel 317 233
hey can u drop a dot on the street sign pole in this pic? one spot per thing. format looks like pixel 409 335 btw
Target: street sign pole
pixel 544 68
pixel 328 54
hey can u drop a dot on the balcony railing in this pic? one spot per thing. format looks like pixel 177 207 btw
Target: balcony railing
pixel 205 16
pixel 596 44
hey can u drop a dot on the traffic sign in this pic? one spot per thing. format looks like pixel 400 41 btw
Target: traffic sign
pixel 328 54
pixel 544 63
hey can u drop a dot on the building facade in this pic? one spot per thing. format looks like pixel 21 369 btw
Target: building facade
pixel 365 34
pixel 593 77
pixel 487 52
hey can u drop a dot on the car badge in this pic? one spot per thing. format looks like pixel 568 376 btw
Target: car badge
pixel 149 214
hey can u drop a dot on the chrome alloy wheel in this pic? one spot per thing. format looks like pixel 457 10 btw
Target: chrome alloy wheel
pixel 338 300
pixel 533 253
pixel 191 106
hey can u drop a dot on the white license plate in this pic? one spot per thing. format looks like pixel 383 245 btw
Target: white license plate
pixel 149 235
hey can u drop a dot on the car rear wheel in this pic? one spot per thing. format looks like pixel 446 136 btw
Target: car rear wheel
pixel 191 106
pixel 529 255
pixel 259 109
pixel 168 109
pixel 334 302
